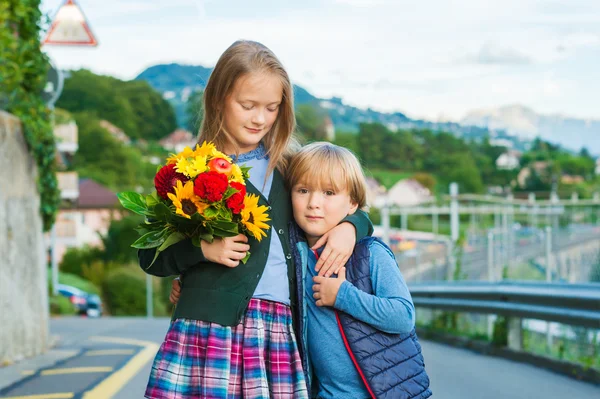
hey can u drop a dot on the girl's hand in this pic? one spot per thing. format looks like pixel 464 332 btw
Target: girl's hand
pixel 227 251
pixel 340 243
pixel 326 289
pixel 175 291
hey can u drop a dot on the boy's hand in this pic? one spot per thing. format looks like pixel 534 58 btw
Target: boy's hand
pixel 326 288
pixel 175 291
pixel 339 243
pixel 227 251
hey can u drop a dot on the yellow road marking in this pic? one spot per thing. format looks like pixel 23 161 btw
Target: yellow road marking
pixel 66 395
pixel 28 372
pixel 110 352
pixel 113 384
pixel 77 370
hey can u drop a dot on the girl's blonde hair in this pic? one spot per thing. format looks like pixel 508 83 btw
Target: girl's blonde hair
pixel 328 165
pixel 240 59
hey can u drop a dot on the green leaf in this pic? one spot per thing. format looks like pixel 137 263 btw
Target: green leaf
pixel 152 239
pixel 133 201
pixel 224 213
pixel 225 225
pixel 162 212
pixel 173 238
pixel 224 233
pixel 151 200
pixel 246 258
pixel 211 212
pixel 205 237
pixel 229 192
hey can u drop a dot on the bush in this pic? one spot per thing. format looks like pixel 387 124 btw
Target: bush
pixel 75 258
pixel 74 281
pixel 124 290
pixel 60 305
pixel 97 271
pixel 500 333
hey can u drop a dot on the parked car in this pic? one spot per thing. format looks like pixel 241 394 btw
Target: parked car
pixel 84 302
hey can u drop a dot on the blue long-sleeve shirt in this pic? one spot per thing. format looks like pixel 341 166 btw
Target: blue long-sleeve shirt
pixel 269 286
pixel 390 309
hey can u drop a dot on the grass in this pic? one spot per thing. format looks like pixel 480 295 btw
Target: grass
pixel 388 177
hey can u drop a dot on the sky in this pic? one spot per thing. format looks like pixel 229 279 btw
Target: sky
pixel 431 59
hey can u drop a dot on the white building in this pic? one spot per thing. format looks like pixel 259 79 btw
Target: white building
pixel 408 192
pixel 508 161
pixel 178 140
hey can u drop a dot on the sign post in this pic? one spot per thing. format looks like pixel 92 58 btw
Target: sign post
pixel 70 27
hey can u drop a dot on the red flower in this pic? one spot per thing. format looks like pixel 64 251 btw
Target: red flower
pixel 210 186
pixel 166 180
pixel 236 201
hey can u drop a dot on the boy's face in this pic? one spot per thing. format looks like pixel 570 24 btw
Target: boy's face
pixel 319 209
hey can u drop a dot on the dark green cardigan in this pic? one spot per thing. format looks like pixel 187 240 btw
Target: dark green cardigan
pixel 219 294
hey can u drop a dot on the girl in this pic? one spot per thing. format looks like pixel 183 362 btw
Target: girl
pixel 232 334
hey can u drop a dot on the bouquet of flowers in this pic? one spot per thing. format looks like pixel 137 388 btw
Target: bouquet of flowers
pixel 200 194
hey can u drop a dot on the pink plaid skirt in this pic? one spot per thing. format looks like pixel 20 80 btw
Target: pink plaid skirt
pixel 257 359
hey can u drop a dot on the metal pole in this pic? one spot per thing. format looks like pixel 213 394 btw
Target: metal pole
pixel 490 256
pixel 435 220
pixel 149 309
pixel 385 222
pixel 548 254
pixel 532 216
pixel 454 221
pixel 490 261
pixel 548 279
pixel 454 228
pixel 404 217
pixel 54 260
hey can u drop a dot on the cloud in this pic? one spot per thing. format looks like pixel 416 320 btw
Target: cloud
pixel 424 58
pixel 493 54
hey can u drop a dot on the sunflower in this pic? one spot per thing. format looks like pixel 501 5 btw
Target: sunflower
pixel 236 175
pixel 254 217
pixel 186 202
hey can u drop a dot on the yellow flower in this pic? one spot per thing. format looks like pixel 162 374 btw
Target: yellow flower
pixel 196 166
pixel 205 150
pixel 254 217
pixel 182 164
pixel 236 175
pixel 186 202
pixel 186 153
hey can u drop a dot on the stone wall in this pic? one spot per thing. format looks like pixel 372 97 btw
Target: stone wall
pixel 23 281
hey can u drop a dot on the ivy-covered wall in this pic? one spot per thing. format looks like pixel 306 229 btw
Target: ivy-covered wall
pixel 23 70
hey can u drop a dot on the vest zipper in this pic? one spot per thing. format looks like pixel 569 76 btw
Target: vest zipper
pixel 362 376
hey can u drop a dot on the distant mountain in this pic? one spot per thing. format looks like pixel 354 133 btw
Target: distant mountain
pixel 177 82
pixel 571 133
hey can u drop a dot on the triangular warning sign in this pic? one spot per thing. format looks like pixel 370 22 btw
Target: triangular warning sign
pixel 70 27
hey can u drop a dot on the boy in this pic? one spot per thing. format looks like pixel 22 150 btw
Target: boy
pixel 356 329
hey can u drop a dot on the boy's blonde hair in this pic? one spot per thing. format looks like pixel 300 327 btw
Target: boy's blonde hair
pixel 329 165
pixel 241 58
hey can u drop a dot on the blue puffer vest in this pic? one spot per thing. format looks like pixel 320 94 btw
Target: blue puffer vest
pixel 390 365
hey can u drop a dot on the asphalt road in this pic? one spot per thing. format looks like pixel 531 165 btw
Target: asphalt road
pixel 100 358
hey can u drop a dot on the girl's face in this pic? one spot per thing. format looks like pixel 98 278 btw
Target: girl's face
pixel 251 109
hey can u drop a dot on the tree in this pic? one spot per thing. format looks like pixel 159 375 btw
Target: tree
pixel 195 111
pixel 310 119
pixel 106 160
pixel 371 142
pixel 132 106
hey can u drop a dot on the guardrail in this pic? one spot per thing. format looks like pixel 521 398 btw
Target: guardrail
pixel 573 304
